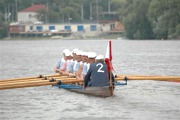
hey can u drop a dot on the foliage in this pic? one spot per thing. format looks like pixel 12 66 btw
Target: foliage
pixel 3 30
pixel 147 19
pixel 178 29
pixel 164 16
pixel 133 15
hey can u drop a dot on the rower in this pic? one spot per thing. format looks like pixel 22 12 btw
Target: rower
pixel 84 57
pixel 69 65
pixel 74 52
pixel 66 53
pixel 97 73
pixel 77 63
pixel 90 59
pixel 60 62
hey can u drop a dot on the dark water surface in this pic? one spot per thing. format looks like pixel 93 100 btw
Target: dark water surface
pixel 139 100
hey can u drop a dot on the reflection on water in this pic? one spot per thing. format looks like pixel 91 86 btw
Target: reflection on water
pixel 142 100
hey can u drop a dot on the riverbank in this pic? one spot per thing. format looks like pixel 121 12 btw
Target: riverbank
pixel 110 37
pixel 66 38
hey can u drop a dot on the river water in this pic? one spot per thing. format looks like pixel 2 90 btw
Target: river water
pixel 139 100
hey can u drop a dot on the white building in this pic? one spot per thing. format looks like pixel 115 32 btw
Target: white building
pixel 30 14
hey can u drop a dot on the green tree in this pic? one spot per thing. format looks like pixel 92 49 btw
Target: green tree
pixel 133 15
pixel 178 30
pixel 70 10
pixel 164 16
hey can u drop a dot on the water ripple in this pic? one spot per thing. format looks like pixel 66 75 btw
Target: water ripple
pixel 139 100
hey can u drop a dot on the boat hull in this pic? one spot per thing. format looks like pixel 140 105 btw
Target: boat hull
pixel 95 91
pixel 104 91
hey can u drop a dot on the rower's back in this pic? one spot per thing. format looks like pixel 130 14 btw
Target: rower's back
pixel 97 74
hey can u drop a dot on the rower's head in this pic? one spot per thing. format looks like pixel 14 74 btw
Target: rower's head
pixel 91 57
pixel 74 53
pixel 68 55
pixel 99 58
pixel 79 58
pixel 84 56
pixel 65 51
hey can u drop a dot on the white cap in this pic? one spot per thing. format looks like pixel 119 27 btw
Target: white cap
pixel 84 54
pixel 79 52
pixel 65 50
pixel 68 53
pixel 75 50
pixel 92 55
pixel 100 57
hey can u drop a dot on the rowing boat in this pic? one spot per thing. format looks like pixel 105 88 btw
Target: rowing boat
pixel 104 91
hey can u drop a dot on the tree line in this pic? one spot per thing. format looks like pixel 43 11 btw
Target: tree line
pixel 142 19
pixel 150 19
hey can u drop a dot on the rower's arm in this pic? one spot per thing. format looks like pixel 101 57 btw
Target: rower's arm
pixel 87 78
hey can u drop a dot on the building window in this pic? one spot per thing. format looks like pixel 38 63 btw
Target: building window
pixel 51 27
pixel 68 28
pixel 112 26
pixel 93 28
pixel 31 28
pixel 39 28
pixel 80 28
